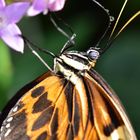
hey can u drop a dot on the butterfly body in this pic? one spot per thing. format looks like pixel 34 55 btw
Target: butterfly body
pixel 71 103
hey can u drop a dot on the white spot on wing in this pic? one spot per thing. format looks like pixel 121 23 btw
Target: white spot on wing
pixel 119 133
pixel 15 109
pixel 114 135
pixel 2 128
pixel 9 119
pixel 7 125
pixel 7 132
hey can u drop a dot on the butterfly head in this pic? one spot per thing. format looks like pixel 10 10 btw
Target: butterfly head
pixel 93 54
pixel 76 61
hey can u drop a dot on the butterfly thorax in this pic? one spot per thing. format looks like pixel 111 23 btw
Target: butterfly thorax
pixel 72 63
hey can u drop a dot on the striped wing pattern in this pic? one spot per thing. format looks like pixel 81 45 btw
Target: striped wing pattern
pixel 110 119
pixel 56 109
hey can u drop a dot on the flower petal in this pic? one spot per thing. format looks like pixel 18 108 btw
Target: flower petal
pixel 14 12
pixel 2 3
pixel 56 5
pixel 37 7
pixel 10 36
pixel 51 1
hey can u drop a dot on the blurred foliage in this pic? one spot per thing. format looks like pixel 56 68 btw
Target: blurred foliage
pixel 6 72
pixel 120 65
pixel 12 1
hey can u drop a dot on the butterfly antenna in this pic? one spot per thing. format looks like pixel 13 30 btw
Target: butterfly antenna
pixel 124 26
pixel 31 46
pixel 110 20
pixel 127 23
pixel 118 18
pixel 71 41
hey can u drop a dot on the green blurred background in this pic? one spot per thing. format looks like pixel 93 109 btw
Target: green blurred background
pixel 120 65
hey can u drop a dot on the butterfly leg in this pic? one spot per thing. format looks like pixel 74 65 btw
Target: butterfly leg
pixel 71 38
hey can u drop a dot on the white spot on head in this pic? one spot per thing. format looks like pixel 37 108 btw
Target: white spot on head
pixel 15 109
pixel 7 132
pixel 9 119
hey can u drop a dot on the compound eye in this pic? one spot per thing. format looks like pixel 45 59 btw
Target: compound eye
pixel 93 54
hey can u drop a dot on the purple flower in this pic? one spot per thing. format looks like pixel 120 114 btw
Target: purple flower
pixel 39 6
pixel 9 16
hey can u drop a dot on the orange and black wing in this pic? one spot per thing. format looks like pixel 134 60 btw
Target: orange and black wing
pixel 39 113
pixel 51 109
pixel 56 109
pixel 107 113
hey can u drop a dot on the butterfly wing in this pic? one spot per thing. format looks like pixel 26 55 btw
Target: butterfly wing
pixel 38 113
pixel 57 109
pixel 50 109
pixel 109 117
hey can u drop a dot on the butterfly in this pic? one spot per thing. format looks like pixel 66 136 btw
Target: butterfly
pixel 70 102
